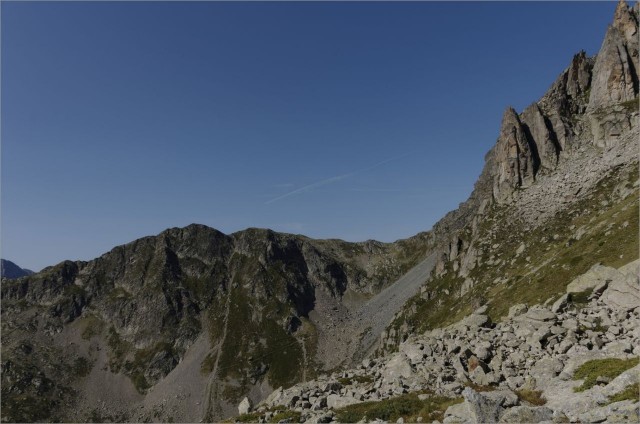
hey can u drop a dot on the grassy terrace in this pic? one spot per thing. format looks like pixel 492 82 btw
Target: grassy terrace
pixel 408 406
pixel 609 368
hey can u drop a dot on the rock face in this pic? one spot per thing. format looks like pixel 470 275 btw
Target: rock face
pixel 514 155
pixel 535 140
pixel 615 73
pixel 192 305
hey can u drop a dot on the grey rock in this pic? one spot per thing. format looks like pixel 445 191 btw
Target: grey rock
pixel 517 310
pixel 527 414
pixel 245 406
pixel 336 401
pixel 596 276
pixel 560 304
pixel 623 292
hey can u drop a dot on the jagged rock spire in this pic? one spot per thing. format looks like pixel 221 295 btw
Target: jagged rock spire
pixel 514 157
pixel 615 73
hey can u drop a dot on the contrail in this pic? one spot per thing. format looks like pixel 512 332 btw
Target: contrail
pixel 331 180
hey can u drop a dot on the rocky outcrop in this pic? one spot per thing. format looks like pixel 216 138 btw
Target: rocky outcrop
pixel 615 73
pixel 534 349
pixel 515 155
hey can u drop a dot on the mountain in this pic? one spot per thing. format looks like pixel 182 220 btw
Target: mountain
pixel 190 312
pixel 561 171
pixel 10 270
pixel 185 325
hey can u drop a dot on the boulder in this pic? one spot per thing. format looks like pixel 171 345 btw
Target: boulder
pixel 414 352
pixel 477 320
pixel 481 408
pixel 622 293
pixel 398 366
pixel 336 401
pixel 546 369
pixel 560 304
pixel 527 414
pixel 596 276
pixel 517 310
pixel 245 406
pixel 539 314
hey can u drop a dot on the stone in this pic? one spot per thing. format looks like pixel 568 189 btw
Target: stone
pixel 336 401
pixel 560 304
pixel 527 414
pixel 245 406
pixel 414 352
pixel 505 398
pixel 482 409
pixel 594 277
pixel 618 347
pixel 546 369
pixel 274 397
pixel 398 366
pixel 622 293
pixel 539 314
pixel 477 321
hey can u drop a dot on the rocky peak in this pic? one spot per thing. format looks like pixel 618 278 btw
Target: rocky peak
pixel 514 156
pixel 625 20
pixel 615 74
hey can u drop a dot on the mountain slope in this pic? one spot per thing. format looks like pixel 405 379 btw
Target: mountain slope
pixel 558 193
pixel 12 271
pixel 243 304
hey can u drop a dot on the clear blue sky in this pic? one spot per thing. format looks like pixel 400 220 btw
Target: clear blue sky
pixel 122 119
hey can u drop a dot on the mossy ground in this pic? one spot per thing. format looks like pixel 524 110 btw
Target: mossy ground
pixel 609 368
pixel 408 407
pixel 631 392
pixel 534 397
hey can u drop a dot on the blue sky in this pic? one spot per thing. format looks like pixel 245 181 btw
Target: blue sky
pixel 334 120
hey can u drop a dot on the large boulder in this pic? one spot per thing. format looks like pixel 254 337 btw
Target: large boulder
pixel 398 366
pixel 598 275
pixel 527 414
pixel 476 408
pixel 622 293
pixel 245 406
pixel 337 401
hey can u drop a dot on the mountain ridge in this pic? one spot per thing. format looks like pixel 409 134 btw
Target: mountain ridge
pixel 245 313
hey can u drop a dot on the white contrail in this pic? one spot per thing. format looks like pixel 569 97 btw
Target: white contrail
pixel 321 183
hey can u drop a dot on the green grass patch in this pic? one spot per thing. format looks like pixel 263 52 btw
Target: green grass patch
pixel 362 379
pixel 609 368
pixel 630 105
pixel 408 406
pixel 251 417
pixel 93 326
pixel 631 392
pixel 534 397
pixel 580 299
pixel 119 349
pixel 291 416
